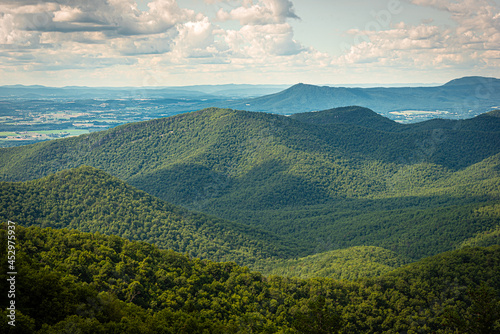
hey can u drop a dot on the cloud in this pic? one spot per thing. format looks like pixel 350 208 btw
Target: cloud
pixel 477 21
pixel 261 13
pixel 195 39
pixel 94 33
pixel 258 41
pixel 472 42
pixel 160 37
pixel 265 36
pixel 114 17
pixel 98 33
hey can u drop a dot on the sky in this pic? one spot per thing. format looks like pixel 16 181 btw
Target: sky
pixel 189 42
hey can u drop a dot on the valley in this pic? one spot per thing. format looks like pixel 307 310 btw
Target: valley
pixel 249 167
pixel 30 114
pixel 101 284
pixel 261 221
pixel 324 181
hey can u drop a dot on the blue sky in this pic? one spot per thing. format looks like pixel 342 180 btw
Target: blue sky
pixel 186 42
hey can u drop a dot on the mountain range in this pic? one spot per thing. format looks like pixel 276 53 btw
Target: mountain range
pixel 322 181
pixel 212 92
pixel 356 223
pixel 460 98
pixel 78 282
pixel 457 99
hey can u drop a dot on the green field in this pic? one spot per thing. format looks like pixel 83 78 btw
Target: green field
pixel 72 132
pixel 7 133
pixel 28 137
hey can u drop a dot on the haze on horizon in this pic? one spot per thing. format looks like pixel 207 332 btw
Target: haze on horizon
pixel 189 42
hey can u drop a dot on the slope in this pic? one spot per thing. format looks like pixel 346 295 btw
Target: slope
pixel 326 186
pixel 487 122
pixel 91 283
pixel 233 142
pixel 90 200
pixel 349 115
pixel 350 263
pixel 460 98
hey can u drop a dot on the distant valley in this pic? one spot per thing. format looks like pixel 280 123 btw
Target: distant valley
pixel 457 99
pixel 30 114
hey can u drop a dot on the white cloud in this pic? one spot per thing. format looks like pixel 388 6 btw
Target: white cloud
pixel 472 42
pixel 115 17
pixel 195 39
pixel 74 34
pixel 270 39
pixel 164 38
pixel 161 37
pixel 93 33
pixel 477 21
pixel 260 13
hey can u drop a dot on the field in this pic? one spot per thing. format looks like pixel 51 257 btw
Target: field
pixel 24 121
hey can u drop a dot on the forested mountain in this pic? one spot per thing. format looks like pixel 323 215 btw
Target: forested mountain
pixel 339 194
pixel 487 122
pixel 90 200
pixel 325 181
pixel 349 263
pixel 460 97
pixel 76 282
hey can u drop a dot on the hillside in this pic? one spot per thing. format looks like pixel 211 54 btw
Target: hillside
pixel 231 140
pixel 90 200
pixel 353 115
pixel 459 98
pixel 418 190
pixel 487 122
pixel 91 283
pixel 349 264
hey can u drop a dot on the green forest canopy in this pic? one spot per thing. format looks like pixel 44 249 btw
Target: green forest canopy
pixel 92 283
pixel 351 179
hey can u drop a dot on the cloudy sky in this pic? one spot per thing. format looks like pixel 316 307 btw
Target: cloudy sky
pixel 185 42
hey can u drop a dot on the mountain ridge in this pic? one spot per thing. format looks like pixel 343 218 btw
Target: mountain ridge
pixel 90 200
pixel 101 284
pixel 324 187
pixel 459 98
pixel 351 115
pixel 472 80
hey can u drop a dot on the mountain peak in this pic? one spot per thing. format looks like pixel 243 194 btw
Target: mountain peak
pixel 472 80
pixel 300 86
pixel 348 115
pixel 493 113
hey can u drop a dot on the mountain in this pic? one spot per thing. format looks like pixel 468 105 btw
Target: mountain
pixel 197 91
pixel 91 283
pixel 350 115
pixel 416 189
pixel 459 98
pixel 484 239
pixel 470 81
pixel 487 122
pixel 348 264
pixel 89 200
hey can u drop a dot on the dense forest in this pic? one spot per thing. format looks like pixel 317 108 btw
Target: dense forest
pixel 70 281
pixel 224 221
pixel 321 181
pixel 369 242
pixel 348 263
pixel 90 200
